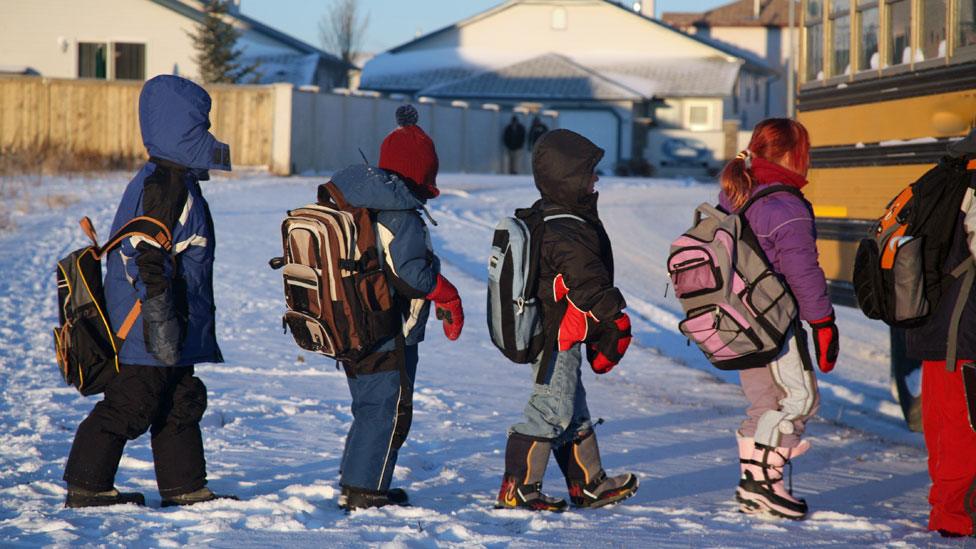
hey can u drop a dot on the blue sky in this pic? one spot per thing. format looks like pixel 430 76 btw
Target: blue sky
pixel 393 22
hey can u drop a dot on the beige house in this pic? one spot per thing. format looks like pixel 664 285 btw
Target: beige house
pixel 138 39
pixel 612 72
pixel 754 27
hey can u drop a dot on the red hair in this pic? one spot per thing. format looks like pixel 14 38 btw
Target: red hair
pixel 780 140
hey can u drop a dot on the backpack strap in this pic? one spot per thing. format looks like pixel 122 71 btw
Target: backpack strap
pixel 147 227
pixel 772 189
pixel 144 226
pixel 540 378
pixel 966 270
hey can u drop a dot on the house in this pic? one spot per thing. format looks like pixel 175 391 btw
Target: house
pixel 613 72
pixel 759 27
pixel 138 39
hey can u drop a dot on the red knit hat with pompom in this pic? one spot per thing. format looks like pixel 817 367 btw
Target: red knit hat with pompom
pixel 410 153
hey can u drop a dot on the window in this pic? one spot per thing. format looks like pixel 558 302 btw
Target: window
pixel 699 116
pixel 966 24
pixel 899 32
pixel 92 60
pixel 559 19
pixel 933 43
pixel 840 30
pixel 815 40
pixel 130 61
pixel 868 30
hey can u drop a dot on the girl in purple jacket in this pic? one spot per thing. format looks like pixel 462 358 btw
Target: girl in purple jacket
pixel 783 394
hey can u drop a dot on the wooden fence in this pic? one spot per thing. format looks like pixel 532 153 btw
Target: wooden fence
pixel 275 126
pixel 102 118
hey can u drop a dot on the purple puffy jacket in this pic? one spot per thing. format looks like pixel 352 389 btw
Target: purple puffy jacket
pixel 784 225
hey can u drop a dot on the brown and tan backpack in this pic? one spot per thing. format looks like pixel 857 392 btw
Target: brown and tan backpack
pixel 338 299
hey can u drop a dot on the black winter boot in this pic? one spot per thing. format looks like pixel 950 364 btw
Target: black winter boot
pixel 198 496
pixel 79 497
pixel 588 483
pixel 357 498
pixel 526 459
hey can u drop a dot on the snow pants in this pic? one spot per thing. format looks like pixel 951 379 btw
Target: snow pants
pixel 167 402
pixel 382 409
pixel 951 443
pixel 557 409
pixel 782 397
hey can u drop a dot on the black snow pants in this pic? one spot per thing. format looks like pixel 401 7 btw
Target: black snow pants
pixel 168 402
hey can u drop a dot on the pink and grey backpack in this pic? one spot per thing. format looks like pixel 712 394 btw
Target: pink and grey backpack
pixel 737 309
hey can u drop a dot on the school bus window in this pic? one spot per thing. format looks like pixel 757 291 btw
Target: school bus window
pixel 899 32
pixel 814 40
pixel 840 31
pixel 934 38
pixel 966 26
pixel 868 33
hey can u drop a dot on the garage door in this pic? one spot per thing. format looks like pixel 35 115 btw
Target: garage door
pixel 600 127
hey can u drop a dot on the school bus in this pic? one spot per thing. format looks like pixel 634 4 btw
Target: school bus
pixel 884 87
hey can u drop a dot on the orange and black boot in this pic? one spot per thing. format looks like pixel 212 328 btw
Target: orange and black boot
pixel 526 459
pixel 588 483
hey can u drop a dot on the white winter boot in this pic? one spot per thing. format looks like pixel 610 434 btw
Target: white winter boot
pixel 761 487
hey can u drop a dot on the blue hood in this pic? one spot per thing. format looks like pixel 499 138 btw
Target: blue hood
pixel 368 187
pixel 174 115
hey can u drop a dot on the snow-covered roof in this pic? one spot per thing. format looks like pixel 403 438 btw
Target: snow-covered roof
pixel 692 77
pixel 550 77
pixel 297 69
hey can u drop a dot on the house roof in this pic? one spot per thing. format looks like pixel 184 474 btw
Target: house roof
pixel 252 24
pixel 759 65
pixel 546 77
pixel 692 77
pixel 772 13
pixel 299 69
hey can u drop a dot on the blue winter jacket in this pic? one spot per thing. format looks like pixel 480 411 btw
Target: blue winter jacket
pixel 404 240
pixel 175 290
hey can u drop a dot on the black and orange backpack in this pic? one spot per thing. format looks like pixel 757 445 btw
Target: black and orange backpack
pixel 85 345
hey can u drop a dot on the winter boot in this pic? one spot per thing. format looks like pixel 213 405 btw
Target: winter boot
pixel 762 488
pixel 197 496
pixel 357 498
pixel 79 497
pixel 588 483
pixel 526 459
pixel 746 447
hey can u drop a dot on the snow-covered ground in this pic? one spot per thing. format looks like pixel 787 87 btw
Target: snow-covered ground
pixel 277 416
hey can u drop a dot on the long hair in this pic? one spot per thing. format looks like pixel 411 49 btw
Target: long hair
pixel 780 140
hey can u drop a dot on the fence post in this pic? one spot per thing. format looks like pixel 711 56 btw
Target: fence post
pixel 281 132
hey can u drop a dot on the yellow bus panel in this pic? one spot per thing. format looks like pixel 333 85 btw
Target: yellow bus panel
pixel 837 258
pixel 942 115
pixel 858 192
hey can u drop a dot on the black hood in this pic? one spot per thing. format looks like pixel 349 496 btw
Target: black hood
pixel 563 163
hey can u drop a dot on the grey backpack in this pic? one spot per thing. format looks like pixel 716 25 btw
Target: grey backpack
pixel 737 309
pixel 514 313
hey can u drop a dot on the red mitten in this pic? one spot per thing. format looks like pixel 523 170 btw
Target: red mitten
pixel 447 305
pixel 575 324
pixel 614 340
pixel 826 341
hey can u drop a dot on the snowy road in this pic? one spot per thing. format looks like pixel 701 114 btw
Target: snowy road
pixel 277 416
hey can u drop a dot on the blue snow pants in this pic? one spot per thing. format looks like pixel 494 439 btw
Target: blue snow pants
pixel 557 409
pixel 382 408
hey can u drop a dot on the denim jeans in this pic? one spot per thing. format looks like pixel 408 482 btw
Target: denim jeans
pixel 557 409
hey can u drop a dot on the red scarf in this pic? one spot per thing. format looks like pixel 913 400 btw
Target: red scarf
pixel 765 172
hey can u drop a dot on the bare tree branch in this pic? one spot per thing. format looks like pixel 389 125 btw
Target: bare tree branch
pixel 342 30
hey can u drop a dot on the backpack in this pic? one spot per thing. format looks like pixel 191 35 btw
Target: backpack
pixel 338 299
pixel 85 346
pixel 898 270
pixel 738 311
pixel 514 313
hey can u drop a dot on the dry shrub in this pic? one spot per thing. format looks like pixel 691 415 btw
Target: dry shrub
pixel 46 159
